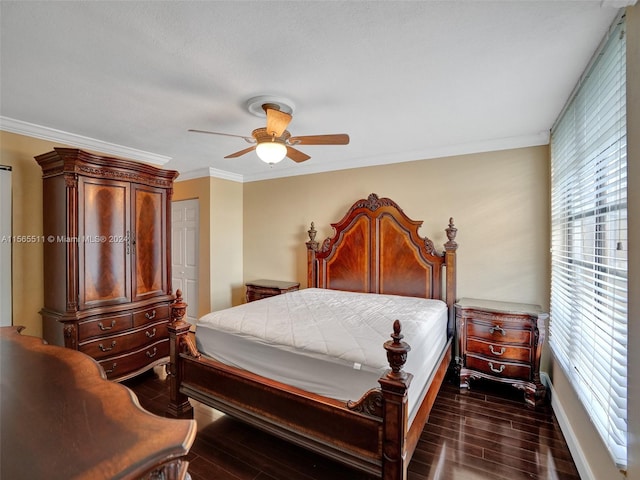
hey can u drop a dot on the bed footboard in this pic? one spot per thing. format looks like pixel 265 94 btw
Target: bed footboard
pixel 369 435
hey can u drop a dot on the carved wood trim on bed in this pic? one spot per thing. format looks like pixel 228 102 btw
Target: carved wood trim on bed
pixel 376 249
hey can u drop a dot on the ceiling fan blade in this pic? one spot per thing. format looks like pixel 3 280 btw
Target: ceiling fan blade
pixel 277 121
pixel 296 155
pixel 247 139
pixel 334 139
pixel 241 152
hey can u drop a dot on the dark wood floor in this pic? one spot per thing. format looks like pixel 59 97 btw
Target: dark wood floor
pixel 486 433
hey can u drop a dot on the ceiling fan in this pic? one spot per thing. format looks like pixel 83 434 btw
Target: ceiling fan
pixel 274 142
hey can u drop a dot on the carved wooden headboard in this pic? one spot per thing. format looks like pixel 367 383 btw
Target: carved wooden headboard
pixel 376 249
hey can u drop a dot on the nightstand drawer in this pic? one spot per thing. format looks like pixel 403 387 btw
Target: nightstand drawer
pixel 498 332
pixel 498 368
pixel 499 350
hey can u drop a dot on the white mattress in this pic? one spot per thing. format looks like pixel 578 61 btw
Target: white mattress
pixel 327 342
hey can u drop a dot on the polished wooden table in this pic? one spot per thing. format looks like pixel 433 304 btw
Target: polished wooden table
pixel 61 419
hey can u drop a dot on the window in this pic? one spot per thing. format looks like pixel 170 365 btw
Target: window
pixel 588 326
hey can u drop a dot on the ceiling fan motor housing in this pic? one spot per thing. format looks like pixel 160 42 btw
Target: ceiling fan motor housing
pixel 256 105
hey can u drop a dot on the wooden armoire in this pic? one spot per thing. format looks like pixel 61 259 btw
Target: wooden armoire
pixel 107 259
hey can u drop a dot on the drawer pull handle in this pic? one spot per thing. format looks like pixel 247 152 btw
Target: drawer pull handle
pixel 497 328
pixel 150 316
pixel 106 349
pixel 151 355
pixel 151 334
pixel 496 352
pixel 496 370
pixel 103 328
pixel 113 368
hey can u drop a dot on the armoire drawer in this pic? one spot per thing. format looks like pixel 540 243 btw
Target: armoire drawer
pixel 113 345
pixel 103 326
pixel 150 315
pixel 125 365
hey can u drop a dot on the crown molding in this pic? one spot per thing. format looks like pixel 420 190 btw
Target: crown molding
pixel 210 172
pixel 45 133
pixel 492 145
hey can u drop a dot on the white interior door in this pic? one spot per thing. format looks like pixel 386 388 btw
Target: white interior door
pixel 185 229
pixel 5 246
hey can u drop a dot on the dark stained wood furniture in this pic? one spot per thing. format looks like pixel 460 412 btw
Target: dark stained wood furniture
pixel 502 342
pixel 107 259
pixel 376 249
pixel 259 289
pixel 62 419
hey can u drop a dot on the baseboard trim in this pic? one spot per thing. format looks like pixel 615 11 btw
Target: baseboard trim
pixel 579 457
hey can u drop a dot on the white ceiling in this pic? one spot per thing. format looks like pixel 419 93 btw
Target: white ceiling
pixel 407 80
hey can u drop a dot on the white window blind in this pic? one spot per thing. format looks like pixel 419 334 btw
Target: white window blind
pixel 588 325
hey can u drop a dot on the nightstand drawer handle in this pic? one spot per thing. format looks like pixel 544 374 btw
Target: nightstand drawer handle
pixel 150 316
pixel 496 352
pixel 155 350
pixel 106 349
pixel 151 334
pixel 497 328
pixel 496 370
pixel 103 328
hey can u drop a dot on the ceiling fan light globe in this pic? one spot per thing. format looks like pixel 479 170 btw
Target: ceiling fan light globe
pixel 271 152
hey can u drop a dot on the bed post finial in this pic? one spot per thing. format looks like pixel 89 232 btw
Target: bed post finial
pixel 451 235
pixel 397 352
pixel 450 266
pixel 312 248
pixel 312 244
pixel 178 308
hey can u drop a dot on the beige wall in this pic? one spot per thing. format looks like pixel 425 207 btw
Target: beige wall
pixel 199 189
pixel 499 202
pixel 220 282
pixel 18 152
pixel 227 237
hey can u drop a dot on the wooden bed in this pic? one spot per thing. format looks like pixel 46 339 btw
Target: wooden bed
pixel 376 248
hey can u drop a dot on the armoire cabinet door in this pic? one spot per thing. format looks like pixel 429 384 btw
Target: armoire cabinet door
pixel 104 258
pixel 150 243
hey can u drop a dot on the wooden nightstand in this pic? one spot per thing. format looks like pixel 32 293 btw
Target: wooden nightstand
pixel 502 342
pixel 268 288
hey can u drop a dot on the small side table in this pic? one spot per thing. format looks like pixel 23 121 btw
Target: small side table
pixel 502 342
pixel 259 289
